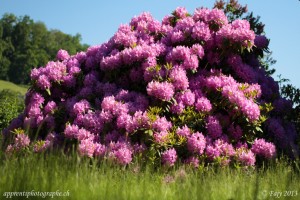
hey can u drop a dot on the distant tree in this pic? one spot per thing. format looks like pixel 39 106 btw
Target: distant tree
pixel 25 44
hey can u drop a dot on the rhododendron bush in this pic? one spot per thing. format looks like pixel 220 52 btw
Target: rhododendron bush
pixel 189 89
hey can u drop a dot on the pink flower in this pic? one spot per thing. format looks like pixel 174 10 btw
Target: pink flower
pixel 203 105
pixel 169 157
pixel 196 143
pixel 246 157
pixel 86 148
pixel 193 161
pixel 163 91
pixel 99 150
pixel 50 107
pixel 71 131
pixel 123 155
pixel 161 124
pixel 43 82
pixel 41 146
pixel 184 131
pixel 62 55
pixel 81 107
pixel 21 141
pixel 179 78
pixel 161 137
pixel 214 127
pixel 180 12
pixel 263 148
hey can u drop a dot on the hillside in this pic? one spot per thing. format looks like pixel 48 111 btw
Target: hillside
pixel 11 86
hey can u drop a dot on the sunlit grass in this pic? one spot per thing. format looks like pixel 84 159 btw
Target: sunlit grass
pixel 6 85
pixel 87 179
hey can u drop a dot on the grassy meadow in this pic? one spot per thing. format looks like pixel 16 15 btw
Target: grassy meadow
pixel 82 178
pixel 6 85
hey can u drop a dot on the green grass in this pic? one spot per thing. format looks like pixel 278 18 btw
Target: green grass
pixel 11 86
pixel 84 179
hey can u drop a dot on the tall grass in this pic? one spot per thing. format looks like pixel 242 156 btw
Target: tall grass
pixel 86 179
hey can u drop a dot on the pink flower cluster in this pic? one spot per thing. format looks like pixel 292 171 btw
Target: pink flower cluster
pixel 182 86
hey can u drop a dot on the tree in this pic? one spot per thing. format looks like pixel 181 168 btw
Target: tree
pixel 26 44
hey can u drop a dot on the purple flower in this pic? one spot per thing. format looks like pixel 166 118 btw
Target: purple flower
pixel 198 50
pixel 201 14
pixel 163 91
pixel 84 134
pixel 212 152
pixel 247 158
pixel 180 12
pixel 184 131
pixel 86 148
pixel 196 143
pixel 41 146
pixel 191 63
pixel 55 71
pixel 185 25
pixel 43 82
pixel 201 32
pixel 217 17
pixel 179 78
pixel 203 105
pixel 243 24
pixel 69 81
pixel 125 36
pixel 235 131
pixel 21 141
pixel 35 73
pixel 123 155
pixel 140 119
pixel 161 124
pixel 193 161
pixel 177 108
pixel 81 107
pixel 261 41
pixel 81 56
pixel 62 55
pixel 50 107
pixel 214 127
pixel 99 150
pixel 177 36
pixel 263 148
pixel 90 79
pixel 282 105
pixel 161 137
pixel 71 131
pixel 9 149
pixel 139 148
pixel 178 54
pixel 169 157
pixel 188 98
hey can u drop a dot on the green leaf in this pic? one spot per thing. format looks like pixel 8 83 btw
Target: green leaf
pixel 258 129
pixel 48 91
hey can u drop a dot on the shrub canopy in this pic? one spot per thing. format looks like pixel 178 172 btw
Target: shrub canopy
pixel 189 89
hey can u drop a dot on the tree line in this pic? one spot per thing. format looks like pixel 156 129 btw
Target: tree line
pixel 25 44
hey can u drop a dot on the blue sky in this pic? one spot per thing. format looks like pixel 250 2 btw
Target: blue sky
pixel 97 21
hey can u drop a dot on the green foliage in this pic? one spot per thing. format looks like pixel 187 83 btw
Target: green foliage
pixel 11 105
pixel 25 44
pixel 86 179
pixel 292 93
pixel 232 9
pixel 6 85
